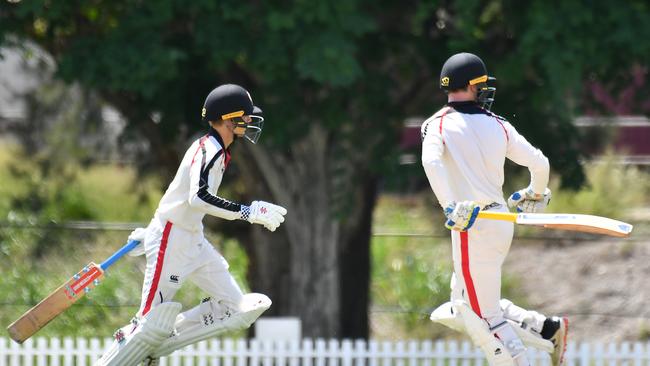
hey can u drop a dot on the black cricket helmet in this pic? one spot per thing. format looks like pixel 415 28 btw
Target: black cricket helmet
pixel 463 69
pixel 230 101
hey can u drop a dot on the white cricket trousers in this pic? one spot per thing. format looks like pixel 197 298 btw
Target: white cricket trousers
pixel 175 255
pixel 478 256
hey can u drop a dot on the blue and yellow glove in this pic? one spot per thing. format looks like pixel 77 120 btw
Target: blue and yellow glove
pixel 461 215
pixel 525 200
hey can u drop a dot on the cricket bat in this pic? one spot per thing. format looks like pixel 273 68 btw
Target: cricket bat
pixel 63 297
pixel 573 222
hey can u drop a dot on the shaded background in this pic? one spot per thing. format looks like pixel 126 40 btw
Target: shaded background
pixel 100 100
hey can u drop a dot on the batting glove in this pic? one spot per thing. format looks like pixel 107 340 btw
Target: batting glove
pixel 461 215
pixel 525 200
pixel 264 213
pixel 138 234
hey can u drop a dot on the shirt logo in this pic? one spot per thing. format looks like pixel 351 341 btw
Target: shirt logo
pixel 173 279
pixel 263 210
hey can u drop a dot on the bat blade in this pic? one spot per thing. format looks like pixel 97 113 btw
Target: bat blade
pixel 572 222
pixel 576 222
pixel 55 303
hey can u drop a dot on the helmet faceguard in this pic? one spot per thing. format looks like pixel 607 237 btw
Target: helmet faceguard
pixel 486 93
pixel 253 129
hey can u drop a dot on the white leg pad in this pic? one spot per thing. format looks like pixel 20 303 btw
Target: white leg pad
pixel 447 316
pixel 478 330
pixel 250 308
pixel 152 330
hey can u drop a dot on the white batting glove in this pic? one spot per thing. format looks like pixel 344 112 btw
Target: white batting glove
pixel 138 234
pixel 264 213
pixel 525 200
pixel 461 215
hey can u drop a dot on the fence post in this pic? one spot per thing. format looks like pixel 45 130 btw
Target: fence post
pixel 360 352
pixel 3 351
pixel 373 350
pixel 465 353
pixel 307 352
pixel 413 353
pixel 82 351
pixel 41 345
pixel 638 354
pixel 242 352
pixel 28 352
pixel 294 353
pixel 399 353
pixel 346 353
pixel 426 353
pixel 386 352
pixel 453 354
pixel 611 354
pixel 585 354
pixel 333 351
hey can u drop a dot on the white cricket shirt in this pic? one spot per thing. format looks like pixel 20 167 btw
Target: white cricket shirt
pixel 193 192
pixel 464 148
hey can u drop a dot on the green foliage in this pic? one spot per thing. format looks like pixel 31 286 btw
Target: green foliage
pixel 612 190
pixel 410 278
pixel 336 61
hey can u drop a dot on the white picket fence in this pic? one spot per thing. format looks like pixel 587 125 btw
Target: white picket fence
pixel 242 352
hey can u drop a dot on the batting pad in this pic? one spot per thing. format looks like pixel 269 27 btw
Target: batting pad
pixel 445 315
pixel 153 329
pixel 249 309
pixel 495 352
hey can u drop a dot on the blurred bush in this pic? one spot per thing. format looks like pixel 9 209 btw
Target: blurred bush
pixel 612 190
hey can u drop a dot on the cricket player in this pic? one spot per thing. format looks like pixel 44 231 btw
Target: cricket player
pixel 177 251
pixel 464 147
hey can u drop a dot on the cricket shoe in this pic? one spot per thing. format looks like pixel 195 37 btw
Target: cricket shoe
pixel 556 330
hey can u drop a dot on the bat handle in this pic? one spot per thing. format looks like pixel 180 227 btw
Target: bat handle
pixel 117 255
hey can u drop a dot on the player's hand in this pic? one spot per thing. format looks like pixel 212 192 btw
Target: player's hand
pixel 461 215
pixel 266 214
pixel 138 234
pixel 525 200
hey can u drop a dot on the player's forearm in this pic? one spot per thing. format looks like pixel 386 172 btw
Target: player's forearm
pixel 539 173
pixel 216 206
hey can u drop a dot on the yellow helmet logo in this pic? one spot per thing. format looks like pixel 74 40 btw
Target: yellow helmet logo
pixel 444 81
pixel 203 113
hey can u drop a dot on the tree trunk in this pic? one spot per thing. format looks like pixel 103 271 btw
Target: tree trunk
pixel 316 266
pixel 354 268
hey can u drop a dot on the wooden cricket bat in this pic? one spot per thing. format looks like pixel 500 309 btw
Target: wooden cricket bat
pixel 573 222
pixel 63 297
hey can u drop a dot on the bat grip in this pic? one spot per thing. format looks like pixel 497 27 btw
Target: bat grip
pixel 117 255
